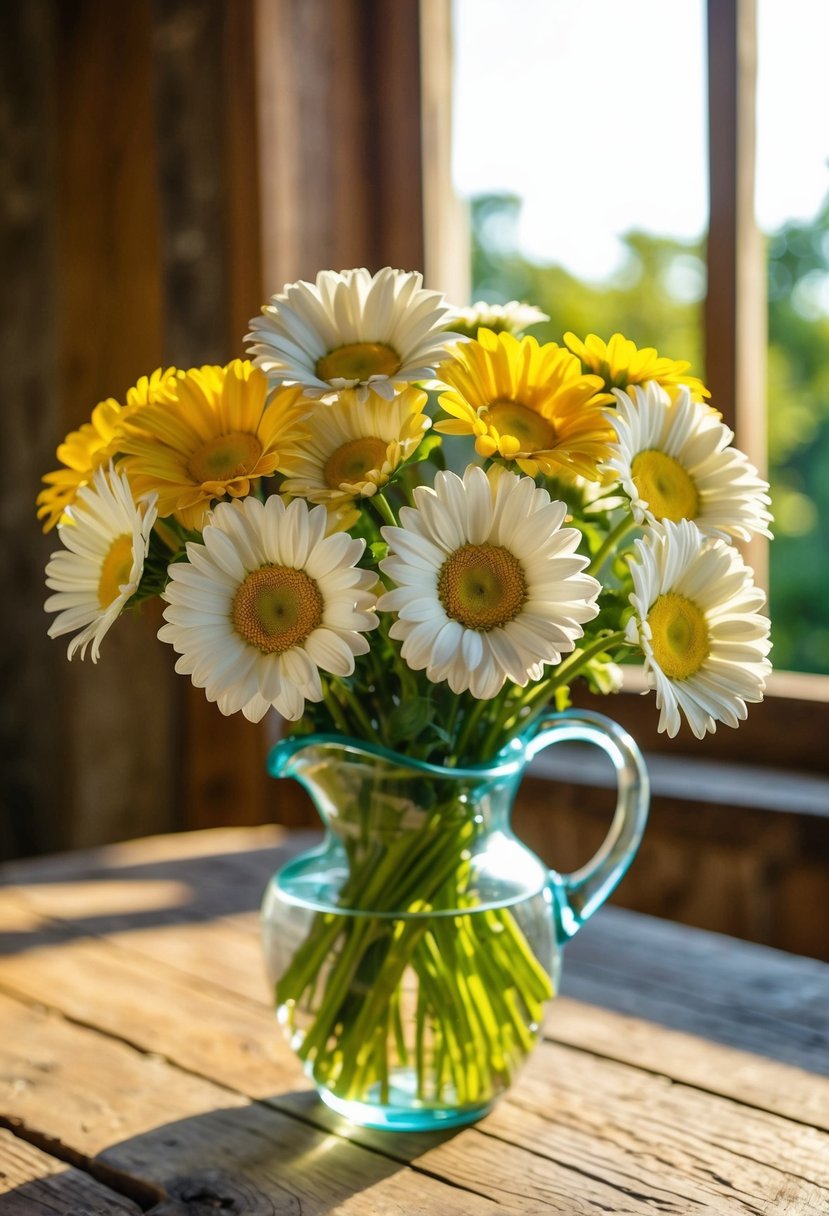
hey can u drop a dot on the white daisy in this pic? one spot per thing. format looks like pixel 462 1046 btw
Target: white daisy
pixel 106 537
pixel 353 448
pixel 490 587
pixel 674 463
pixel 511 318
pixel 349 330
pixel 266 601
pixel 696 619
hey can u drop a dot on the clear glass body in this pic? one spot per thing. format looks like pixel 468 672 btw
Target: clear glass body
pixel 413 952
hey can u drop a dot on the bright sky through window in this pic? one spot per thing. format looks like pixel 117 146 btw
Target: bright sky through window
pixel 594 113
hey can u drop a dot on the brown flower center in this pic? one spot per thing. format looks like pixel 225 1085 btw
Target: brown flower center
pixel 482 586
pixel 277 607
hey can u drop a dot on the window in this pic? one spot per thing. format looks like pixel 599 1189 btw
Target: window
pixel 541 118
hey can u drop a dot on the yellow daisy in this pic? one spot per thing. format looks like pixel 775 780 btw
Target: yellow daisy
pixel 526 403
pixel 620 363
pixel 96 442
pixel 354 447
pixel 219 434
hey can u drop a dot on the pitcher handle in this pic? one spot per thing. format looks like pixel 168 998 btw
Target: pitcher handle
pixel 579 894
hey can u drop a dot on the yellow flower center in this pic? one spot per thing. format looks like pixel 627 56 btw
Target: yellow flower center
pixel 665 486
pixel 533 432
pixel 116 569
pixel 225 456
pixel 353 460
pixel 358 361
pixel 482 586
pixel 276 607
pixel 679 635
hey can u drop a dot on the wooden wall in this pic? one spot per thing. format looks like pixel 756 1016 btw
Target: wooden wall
pixel 170 163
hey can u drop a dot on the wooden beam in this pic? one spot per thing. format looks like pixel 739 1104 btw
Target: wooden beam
pixel 120 776
pixel 339 133
pixel 31 738
pixel 735 306
pixel 205 125
pixel 448 245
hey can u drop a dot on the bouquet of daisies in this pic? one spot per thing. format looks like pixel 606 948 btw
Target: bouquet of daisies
pixel 323 552
pixel 415 526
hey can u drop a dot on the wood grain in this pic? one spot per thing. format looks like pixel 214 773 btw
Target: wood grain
pixel 120 774
pixel 33 1183
pixel 138 1120
pixel 31 760
pixel 614 1112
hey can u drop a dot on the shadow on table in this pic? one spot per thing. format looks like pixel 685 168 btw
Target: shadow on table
pixel 248 1161
pixel 95 894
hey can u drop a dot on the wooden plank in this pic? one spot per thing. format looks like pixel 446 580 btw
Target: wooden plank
pixel 31 736
pixel 151 1128
pixel 207 171
pixel 34 1184
pixel 339 130
pixel 735 303
pixel 447 241
pixel 120 777
pixel 705 978
pixel 681 1147
pixel 219 923
pixel 710 979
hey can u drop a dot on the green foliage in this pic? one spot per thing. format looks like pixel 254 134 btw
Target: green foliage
pixel 654 300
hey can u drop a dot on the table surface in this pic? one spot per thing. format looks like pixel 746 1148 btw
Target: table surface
pixel 141 1069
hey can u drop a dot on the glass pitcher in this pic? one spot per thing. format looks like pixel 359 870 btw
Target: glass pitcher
pixel 413 952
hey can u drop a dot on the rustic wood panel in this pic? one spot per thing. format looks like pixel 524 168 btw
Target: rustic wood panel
pixel 616 1112
pixel 120 718
pixel 99 1101
pixel 339 136
pixel 31 742
pixel 728 868
pixel 448 246
pixel 33 1183
pixel 682 1148
pixel 735 303
pixel 772 1003
pixel 208 188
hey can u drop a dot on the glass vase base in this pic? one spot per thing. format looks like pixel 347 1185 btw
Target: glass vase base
pixel 402 1113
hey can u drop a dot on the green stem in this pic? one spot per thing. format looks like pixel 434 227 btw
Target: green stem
pixel 472 720
pixel 562 675
pixel 355 707
pixel 611 542
pixel 383 509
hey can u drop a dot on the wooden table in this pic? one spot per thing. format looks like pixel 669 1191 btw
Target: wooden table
pixel 141 1069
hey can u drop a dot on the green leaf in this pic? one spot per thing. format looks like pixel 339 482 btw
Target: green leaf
pixel 408 719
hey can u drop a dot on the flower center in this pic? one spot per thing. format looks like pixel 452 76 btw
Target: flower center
pixel 534 433
pixel 353 460
pixel 679 635
pixel 225 457
pixel 482 586
pixel 276 607
pixel 665 486
pixel 358 361
pixel 116 569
